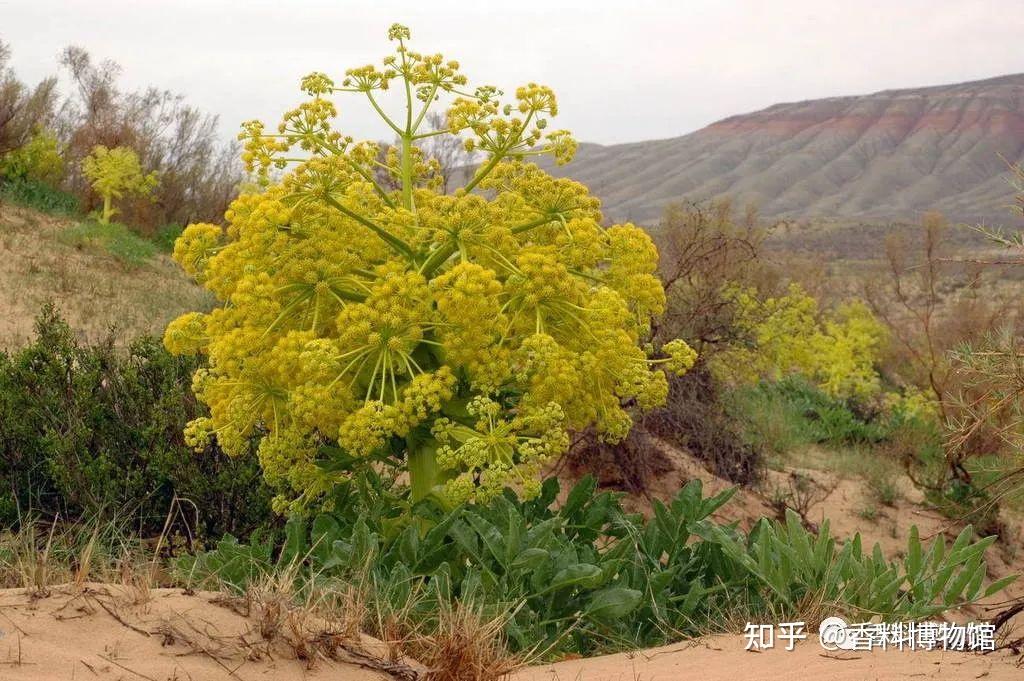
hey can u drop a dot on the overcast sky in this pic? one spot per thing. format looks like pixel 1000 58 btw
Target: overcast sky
pixel 623 71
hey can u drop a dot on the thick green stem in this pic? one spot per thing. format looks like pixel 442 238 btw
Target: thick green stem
pixel 424 473
pixel 407 172
pixel 108 210
pixel 438 257
pixel 400 246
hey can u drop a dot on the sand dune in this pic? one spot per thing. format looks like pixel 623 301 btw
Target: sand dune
pixel 108 632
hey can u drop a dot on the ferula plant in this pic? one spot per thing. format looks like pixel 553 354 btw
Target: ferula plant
pixel 114 173
pixel 366 317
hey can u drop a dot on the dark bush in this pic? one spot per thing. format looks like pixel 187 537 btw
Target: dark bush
pixel 97 431
pixel 706 249
pixel 693 419
pixel 628 465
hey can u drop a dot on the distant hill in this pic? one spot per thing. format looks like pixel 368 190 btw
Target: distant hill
pixel 889 155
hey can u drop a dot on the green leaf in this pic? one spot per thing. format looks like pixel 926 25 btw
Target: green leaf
pixel 709 506
pixel 692 598
pixel 957 587
pixel 465 537
pixel 913 561
pixel 295 541
pixel 583 575
pixel 490 536
pixel 582 492
pixel 613 603
pixel 938 583
pixel 408 545
pixel 962 539
pixel 974 586
pixel 1000 584
pixel 529 560
pixel 658 581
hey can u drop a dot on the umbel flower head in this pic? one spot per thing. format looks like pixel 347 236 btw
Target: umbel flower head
pixel 465 334
pixel 113 173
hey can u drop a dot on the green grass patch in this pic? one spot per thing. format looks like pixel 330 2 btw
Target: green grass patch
pixel 114 238
pixel 40 196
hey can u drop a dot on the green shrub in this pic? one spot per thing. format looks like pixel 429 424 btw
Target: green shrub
pixel 38 195
pixel 967 501
pixel 97 431
pixel 973 496
pixel 114 238
pixel 166 236
pixel 883 485
pixel 794 565
pixel 586 576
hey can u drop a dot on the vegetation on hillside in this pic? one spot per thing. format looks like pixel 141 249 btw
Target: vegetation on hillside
pixel 45 135
pixel 99 277
pixel 89 431
pixel 115 173
pixel 99 150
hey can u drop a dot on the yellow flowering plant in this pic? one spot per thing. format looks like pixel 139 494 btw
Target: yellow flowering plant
pixel 38 160
pixel 463 335
pixel 114 173
pixel 789 334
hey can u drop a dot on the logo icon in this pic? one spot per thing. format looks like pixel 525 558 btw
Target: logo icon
pixel 834 634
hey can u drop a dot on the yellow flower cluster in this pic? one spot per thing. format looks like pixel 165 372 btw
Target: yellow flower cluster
pixel 789 334
pixel 113 173
pixel 469 333
pixel 39 159
pixel 911 404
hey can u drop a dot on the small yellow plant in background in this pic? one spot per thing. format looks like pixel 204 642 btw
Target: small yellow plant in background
pixel 790 334
pixel 115 173
pixel 38 160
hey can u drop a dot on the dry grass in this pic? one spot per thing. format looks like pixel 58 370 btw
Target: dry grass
pixel 38 555
pixel 92 289
pixel 98 567
pixel 347 622
pixel 464 645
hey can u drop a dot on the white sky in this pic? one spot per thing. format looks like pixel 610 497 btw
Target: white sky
pixel 623 71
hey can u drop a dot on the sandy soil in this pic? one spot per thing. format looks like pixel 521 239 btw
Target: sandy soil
pixel 116 633
pixel 92 289
pixel 113 633
pixel 723 658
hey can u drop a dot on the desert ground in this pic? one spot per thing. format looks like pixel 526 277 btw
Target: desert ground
pixel 97 631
